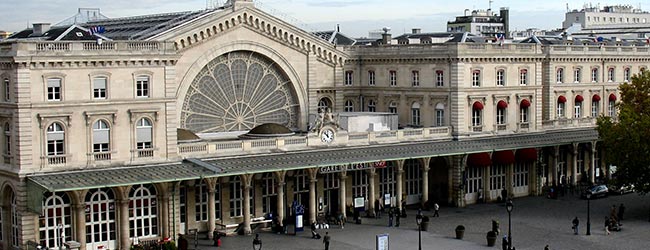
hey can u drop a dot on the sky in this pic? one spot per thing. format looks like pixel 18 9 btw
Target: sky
pixel 355 17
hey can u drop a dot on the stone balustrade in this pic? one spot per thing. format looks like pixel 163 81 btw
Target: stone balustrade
pixel 52 48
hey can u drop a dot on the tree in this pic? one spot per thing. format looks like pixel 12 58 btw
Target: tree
pixel 626 139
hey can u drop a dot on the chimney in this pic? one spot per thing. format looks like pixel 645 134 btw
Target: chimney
pixel 40 29
pixel 385 38
pixel 416 30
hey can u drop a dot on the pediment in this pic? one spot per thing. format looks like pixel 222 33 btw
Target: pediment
pixel 220 23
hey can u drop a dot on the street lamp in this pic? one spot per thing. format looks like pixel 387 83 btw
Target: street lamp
pixel 588 213
pixel 257 243
pixel 509 208
pixel 60 229
pixel 418 219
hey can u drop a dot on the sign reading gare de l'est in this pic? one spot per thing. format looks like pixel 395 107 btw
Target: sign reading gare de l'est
pixel 351 167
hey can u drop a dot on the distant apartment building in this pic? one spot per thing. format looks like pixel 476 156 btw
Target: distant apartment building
pixel 4 34
pixel 620 21
pixel 481 22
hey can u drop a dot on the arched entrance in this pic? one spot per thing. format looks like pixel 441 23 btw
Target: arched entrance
pixel 238 91
pixel 438 180
pixel 100 219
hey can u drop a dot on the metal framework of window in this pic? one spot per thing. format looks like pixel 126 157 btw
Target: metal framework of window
pixel 100 219
pixel 610 74
pixel 559 75
pixel 520 175
pixel 440 78
pixel 523 77
pixel 7 87
pixel 201 201
pixel 387 180
pixel 7 137
pixel 269 192
pixel 594 75
pixel 523 114
pixel 331 183
pixel 560 110
pixel 497 177
pixel 474 179
pixel 440 115
pixel 360 184
pixel 595 108
pixel 54 89
pixel 392 78
pixel 55 139
pixel 626 74
pixel 55 222
pixel 349 106
pixel 577 108
pixel 143 211
pixel 413 171
pixel 501 116
pixel 348 78
pixel 415 114
pixel 392 108
pixel 576 75
pixel 300 186
pixel 611 108
pixel 476 117
pixel 236 197
pixel 372 106
pixel 15 230
pixel 476 78
pixel 371 78
pixel 144 131
pixel 99 87
pixel 324 104
pixel 500 77
pixel 416 78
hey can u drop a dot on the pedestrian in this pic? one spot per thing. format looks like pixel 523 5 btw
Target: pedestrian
pixel 546 248
pixel 257 241
pixel 504 194
pixel 576 222
pixel 377 209
pixel 606 225
pixel 436 209
pixel 504 242
pixel 621 211
pixel 397 218
pixel 390 217
pixel 326 240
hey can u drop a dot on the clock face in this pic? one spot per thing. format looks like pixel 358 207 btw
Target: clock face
pixel 327 136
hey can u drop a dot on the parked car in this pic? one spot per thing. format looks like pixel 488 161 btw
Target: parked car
pixel 621 189
pixel 596 191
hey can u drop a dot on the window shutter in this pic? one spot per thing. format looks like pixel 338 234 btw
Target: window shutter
pixel 100 136
pixel 144 134
pixel 99 83
pixel 54 82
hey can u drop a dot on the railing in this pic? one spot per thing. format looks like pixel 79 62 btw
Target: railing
pixel 295 141
pixel 86 47
pixel 264 143
pixel 145 153
pixel 103 46
pixel 102 156
pixel 476 128
pixel 524 125
pixel 228 145
pixel 502 127
pixel 193 147
pixel 143 45
pixel 56 159
pixel 52 46
pixel 412 132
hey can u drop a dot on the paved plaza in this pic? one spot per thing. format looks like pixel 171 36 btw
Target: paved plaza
pixel 537 221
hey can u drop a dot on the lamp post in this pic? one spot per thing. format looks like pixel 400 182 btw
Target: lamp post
pixel 588 214
pixel 509 207
pixel 60 228
pixel 418 220
pixel 257 243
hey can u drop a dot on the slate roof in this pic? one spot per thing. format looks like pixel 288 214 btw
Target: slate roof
pixel 335 37
pixel 58 33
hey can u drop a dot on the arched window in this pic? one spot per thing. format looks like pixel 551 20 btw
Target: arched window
pixel 143 211
pixel 610 74
pixel 100 219
pixel 477 115
pixel 144 131
pixel 611 106
pixel 560 107
pixel 501 112
pixel 55 139
pixel 237 197
pixel 349 106
pixel 56 220
pixel 101 137
pixel 415 114
pixel 392 108
pixel 559 75
pixel 523 111
pixel 626 74
pixel 372 106
pixel 578 106
pixel 324 104
pixel 440 115
pixel 201 193
pixel 595 106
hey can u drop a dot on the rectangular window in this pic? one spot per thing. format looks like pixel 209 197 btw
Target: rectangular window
pixel 476 78
pixel 476 117
pixel 501 116
pixel 440 78
pixel 371 78
pixel 523 77
pixel 348 78
pixel 523 115
pixel 440 117
pixel 144 145
pixel 54 89
pixel 559 76
pixel 595 109
pixel 7 89
pixel 576 75
pixel 610 74
pixel 142 86
pixel 55 147
pixel 100 147
pixel 416 78
pixel 626 74
pixel 560 110
pixel 392 78
pixel 392 110
pixel 99 87
pixel 500 77
pixel 594 75
pixel 416 116
pixel 611 108
pixel 577 110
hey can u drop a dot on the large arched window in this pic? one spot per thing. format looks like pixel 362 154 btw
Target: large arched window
pixel 100 219
pixel 392 108
pixel 143 211
pixel 144 131
pixel 324 104
pixel 55 139
pixel 415 114
pixel 237 197
pixel 15 230
pixel 101 137
pixel 269 193
pixel 477 115
pixel 55 222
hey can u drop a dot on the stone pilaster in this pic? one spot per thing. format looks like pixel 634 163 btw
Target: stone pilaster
pixel 312 194
pixel 280 175
pixel 246 181
pixel 425 181
pixel 400 182
pixel 371 197
pixel 342 179
pixel 212 210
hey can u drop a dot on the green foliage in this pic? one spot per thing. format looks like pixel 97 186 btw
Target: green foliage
pixel 626 139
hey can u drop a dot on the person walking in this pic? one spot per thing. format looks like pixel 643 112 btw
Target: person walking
pixel 546 248
pixel 504 242
pixel 607 225
pixel 326 240
pixel 257 241
pixel 390 217
pixel 397 217
pixel 436 209
pixel 576 222
pixel 377 209
pixel 621 211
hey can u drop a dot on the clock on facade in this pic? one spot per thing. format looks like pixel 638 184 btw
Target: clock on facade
pixel 327 135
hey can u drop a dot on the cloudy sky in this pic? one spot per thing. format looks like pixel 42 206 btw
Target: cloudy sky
pixel 356 17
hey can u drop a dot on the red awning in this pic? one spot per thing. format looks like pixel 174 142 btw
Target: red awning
pixel 503 157
pixel 579 98
pixel 526 155
pixel 596 98
pixel 612 97
pixel 478 106
pixel 524 103
pixel 479 160
pixel 561 99
pixel 502 105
